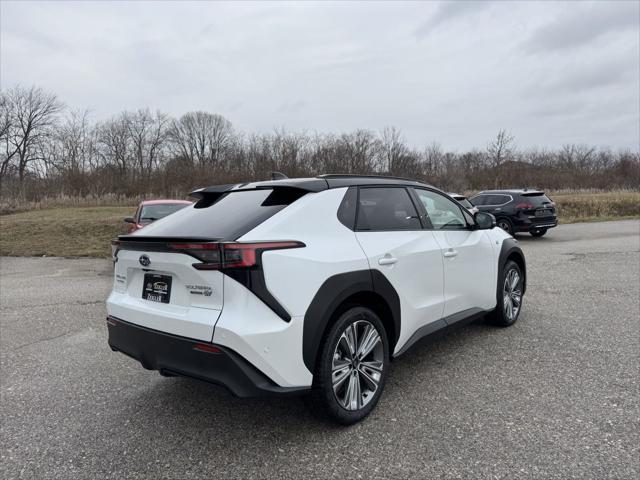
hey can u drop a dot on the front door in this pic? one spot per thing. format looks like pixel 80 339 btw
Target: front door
pixel 469 258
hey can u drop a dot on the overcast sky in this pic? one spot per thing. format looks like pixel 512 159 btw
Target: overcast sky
pixel 453 73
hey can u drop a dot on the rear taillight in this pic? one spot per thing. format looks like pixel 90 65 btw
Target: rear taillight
pixel 115 246
pixel 216 256
pixel 524 206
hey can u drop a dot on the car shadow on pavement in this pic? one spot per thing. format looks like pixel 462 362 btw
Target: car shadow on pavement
pixel 197 405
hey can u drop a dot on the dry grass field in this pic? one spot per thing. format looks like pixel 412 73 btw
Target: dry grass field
pixel 86 231
pixel 64 232
pixel 596 206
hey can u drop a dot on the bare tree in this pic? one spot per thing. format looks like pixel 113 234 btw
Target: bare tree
pixel 393 148
pixel 32 113
pixel 115 143
pixel 6 122
pixel 498 151
pixel 201 137
pixel 148 135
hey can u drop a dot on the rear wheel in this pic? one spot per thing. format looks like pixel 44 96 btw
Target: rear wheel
pixel 351 368
pixel 505 224
pixel 510 283
pixel 538 232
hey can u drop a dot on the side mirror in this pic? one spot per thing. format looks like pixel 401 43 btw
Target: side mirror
pixel 484 221
pixel 129 220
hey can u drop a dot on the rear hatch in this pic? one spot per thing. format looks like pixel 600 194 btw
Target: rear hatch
pixel 537 206
pixel 168 275
pixel 161 290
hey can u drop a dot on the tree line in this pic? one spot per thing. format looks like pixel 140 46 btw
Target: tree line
pixel 48 150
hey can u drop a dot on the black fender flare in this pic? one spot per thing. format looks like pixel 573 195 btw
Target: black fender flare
pixel 331 294
pixel 510 247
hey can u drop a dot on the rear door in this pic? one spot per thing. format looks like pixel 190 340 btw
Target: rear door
pixel 390 232
pixel 469 260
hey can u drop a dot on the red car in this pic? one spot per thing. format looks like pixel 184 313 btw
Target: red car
pixel 152 210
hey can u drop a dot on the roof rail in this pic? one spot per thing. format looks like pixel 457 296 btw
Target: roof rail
pixel 355 175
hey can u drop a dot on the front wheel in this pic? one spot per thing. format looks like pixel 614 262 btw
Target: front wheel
pixel 538 232
pixel 351 368
pixel 510 283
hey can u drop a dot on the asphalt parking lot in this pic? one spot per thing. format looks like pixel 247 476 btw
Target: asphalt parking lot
pixel 555 396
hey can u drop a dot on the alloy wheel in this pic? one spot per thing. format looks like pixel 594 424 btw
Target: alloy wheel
pixel 358 361
pixel 512 294
pixel 504 225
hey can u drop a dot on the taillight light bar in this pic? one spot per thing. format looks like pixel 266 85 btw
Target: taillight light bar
pixel 524 206
pixel 216 256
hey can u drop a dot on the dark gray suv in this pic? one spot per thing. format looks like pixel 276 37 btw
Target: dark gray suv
pixel 518 210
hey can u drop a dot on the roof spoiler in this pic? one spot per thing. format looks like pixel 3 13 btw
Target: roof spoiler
pixel 278 176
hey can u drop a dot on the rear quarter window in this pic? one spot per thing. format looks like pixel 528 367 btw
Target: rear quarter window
pixel 230 217
pixel 537 199
pixel 497 199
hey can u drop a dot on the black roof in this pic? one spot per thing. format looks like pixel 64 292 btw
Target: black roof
pixel 311 184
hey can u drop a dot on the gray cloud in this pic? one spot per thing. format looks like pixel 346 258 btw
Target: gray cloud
pixel 337 67
pixel 448 12
pixel 582 78
pixel 581 25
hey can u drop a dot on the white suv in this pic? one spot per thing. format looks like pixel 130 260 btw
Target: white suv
pixel 308 285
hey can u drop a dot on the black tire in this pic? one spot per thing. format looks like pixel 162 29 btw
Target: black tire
pixel 506 225
pixel 500 316
pixel 538 232
pixel 322 400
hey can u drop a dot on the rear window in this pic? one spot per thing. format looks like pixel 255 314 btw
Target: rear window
pixel 230 217
pixel 156 212
pixel 536 199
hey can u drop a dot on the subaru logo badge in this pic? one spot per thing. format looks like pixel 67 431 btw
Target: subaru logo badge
pixel 144 260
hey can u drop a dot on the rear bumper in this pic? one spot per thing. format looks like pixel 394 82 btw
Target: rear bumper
pixel 175 355
pixel 529 224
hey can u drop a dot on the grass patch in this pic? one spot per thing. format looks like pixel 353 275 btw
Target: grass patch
pixel 591 207
pixel 88 230
pixel 63 232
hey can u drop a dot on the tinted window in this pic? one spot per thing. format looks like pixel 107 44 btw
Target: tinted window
pixel 347 209
pixel 442 212
pixel 497 199
pixel 386 209
pixel 478 200
pixel 156 212
pixel 230 217
pixel 536 199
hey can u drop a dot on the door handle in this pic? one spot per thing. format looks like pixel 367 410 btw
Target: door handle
pixel 387 260
pixel 451 253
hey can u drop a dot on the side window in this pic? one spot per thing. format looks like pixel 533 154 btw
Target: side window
pixel 386 208
pixel 478 200
pixel 497 200
pixel 442 212
pixel 347 209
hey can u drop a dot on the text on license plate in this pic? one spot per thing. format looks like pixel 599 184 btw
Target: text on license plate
pixel 156 287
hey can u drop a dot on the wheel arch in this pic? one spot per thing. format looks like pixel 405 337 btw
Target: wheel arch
pixel 366 288
pixel 511 251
